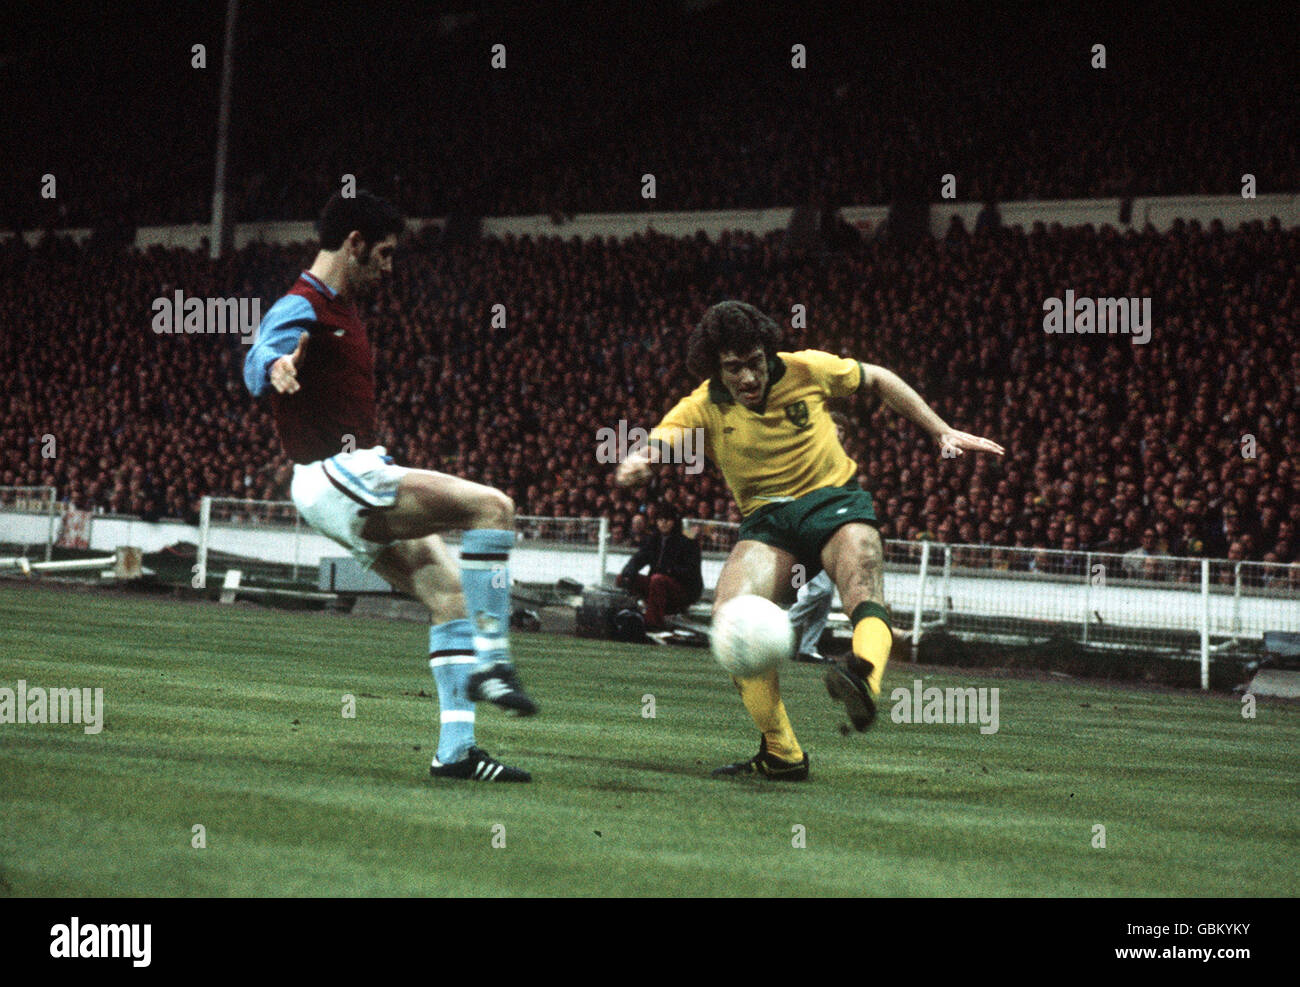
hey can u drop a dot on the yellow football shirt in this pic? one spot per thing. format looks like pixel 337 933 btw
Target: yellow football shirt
pixel 787 449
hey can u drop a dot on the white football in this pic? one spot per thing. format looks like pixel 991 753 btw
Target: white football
pixel 751 635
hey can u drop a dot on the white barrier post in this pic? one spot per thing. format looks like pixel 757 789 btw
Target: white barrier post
pixel 920 599
pixel 602 550
pixel 49 540
pixel 205 522
pixel 1236 598
pixel 1087 593
pixel 297 540
pixel 1205 624
pixel 944 584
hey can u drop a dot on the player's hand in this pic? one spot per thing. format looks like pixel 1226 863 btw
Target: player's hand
pixel 954 443
pixel 284 371
pixel 633 471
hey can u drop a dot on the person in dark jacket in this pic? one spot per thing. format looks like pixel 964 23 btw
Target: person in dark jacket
pixel 675 581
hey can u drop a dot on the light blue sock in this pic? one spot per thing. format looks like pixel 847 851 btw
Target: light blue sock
pixel 451 659
pixel 485 580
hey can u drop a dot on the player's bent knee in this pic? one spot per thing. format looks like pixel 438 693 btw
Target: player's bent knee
pixel 493 509
pixel 507 509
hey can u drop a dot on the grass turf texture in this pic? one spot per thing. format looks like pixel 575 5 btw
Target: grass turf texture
pixel 231 717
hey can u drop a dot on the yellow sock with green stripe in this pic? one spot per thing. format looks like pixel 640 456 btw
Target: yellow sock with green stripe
pixel 872 640
pixel 762 697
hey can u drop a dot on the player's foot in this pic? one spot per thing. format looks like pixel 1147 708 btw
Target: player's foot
pixel 812 658
pixel 766 764
pixel 499 684
pixel 847 684
pixel 478 765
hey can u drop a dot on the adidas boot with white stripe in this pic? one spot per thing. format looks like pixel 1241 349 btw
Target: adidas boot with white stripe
pixel 478 765
pixel 499 684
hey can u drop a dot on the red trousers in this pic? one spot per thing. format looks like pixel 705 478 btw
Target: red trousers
pixel 663 595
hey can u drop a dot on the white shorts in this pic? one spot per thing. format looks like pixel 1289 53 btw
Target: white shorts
pixel 336 495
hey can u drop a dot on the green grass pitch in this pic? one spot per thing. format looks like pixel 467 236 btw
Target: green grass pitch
pixel 232 718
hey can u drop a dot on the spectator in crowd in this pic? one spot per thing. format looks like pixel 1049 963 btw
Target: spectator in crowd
pixel 1041 563
pixel 636 532
pixel 1072 562
pixel 1135 560
pixel 1114 543
pixel 675 580
pixel 1190 543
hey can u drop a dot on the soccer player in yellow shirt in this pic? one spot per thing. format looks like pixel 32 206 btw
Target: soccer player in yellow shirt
pixel 764 420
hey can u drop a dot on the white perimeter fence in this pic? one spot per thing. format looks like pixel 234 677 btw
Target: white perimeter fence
pixel 29 519
pixel 1193 607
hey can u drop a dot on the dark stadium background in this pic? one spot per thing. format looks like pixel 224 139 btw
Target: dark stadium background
pixel 227 714
pixel 1115 441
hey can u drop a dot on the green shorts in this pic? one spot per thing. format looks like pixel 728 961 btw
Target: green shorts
pixel 802 527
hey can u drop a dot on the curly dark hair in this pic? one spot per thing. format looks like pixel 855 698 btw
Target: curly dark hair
pixel 730 326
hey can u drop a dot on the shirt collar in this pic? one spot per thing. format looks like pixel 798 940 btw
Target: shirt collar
pixel 319 285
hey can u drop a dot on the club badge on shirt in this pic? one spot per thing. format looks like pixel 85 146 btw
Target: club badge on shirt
pixel 798 414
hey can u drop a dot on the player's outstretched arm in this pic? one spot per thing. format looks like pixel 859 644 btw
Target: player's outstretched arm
pixel 900 397
pixel 954 443
pixel 284 371
pixel 277 355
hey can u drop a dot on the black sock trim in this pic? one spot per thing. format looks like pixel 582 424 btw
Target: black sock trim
pixel 451 651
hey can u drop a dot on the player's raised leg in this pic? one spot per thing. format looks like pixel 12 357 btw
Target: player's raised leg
pixel 427 503
pixel 424 568
pixel 854 558
pixel 763 570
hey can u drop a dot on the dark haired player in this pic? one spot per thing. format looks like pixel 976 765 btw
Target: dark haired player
pixel 767 427
pixel 313 357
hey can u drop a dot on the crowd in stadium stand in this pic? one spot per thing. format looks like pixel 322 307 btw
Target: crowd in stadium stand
pixel 1187 445
pixel 720 122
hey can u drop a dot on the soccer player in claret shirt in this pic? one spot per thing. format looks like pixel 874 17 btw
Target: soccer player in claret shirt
pixel 765 423
pixel 313 358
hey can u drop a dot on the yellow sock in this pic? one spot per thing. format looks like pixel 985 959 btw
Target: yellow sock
pixel 762 697
pixel 872 641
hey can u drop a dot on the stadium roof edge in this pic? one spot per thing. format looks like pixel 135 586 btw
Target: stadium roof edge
pixel 1161 212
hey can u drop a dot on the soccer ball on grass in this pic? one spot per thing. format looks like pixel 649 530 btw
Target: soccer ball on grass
pixel 751 635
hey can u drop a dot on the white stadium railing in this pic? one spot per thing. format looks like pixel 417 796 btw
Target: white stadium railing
pixel 1184 606
pixel 264 539
pixel 1180 605
pixel 268 541
pixel 548 548
pixel 29 518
